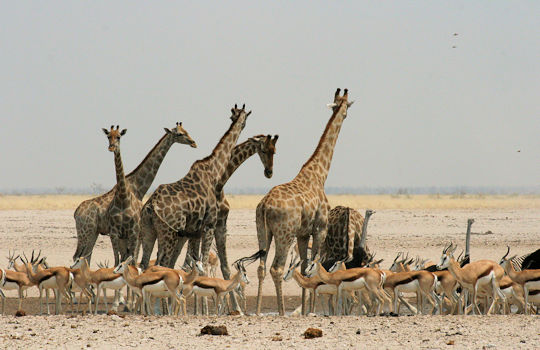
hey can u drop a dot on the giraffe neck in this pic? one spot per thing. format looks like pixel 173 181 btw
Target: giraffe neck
pixel 217 161
pixel 121 192
pixel 239 155
pixel 144 174
pixel 318 164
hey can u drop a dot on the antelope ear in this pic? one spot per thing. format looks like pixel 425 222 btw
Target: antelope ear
pixel 167 130
pixel 105 131
pixel 350 103
pixel 331 105
pixel 274 140
pixel 123 132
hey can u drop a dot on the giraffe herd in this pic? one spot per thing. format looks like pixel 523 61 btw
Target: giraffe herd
pixel 195 210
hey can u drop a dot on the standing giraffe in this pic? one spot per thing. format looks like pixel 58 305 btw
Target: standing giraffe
pixel 124 212
pixel 299 209
pixel 346 238
pixel 188 207
pixel 90 215
pixel 265 147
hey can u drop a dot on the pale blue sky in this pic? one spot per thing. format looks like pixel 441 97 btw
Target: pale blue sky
pixel 426 114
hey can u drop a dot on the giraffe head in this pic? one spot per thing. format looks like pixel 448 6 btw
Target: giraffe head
pixel 180 135
pixel 341 103
pixel 237 112
pixel 114 136
pixel 266 148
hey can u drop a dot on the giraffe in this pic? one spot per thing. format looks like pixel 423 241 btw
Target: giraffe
pixel 123 214
pixel 346 238
pixel 265 147
pixel 188 207
pixel 90 215
pixel 299 209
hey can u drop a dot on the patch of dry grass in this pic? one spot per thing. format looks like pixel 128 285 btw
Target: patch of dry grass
pixel 70 202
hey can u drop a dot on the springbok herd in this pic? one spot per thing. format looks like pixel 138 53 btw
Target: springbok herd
pixel 296 214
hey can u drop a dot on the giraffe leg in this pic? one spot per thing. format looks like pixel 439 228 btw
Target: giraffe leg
pixel 220 235
pixel 282 248
pixel 115 241
pixel 193 249
pixel 148 239
pixel 87 235
pixel 261 270
pixel 302 248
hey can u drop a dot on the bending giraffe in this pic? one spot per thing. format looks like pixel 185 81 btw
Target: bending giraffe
pixel 265 147
pixel 299 209
pixel 188 207
pixel 346 238
pixel 90 214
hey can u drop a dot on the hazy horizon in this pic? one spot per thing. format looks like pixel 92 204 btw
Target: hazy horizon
pixel 446 93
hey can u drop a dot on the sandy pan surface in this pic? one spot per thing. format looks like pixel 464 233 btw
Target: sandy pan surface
pixel 418 231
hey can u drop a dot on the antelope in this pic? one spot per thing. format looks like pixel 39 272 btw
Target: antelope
pixel 420 282
pixel 188 278
pixel 55 278
pixel 446 286
pixel 528 279
pixel 313 284
pixel 162 283
pixel 475 276
pixel 213 263
pixel 217 288
pixel 362 296
pixel 350 280
pixel 129 274
pixel 101 279
pixel 13 280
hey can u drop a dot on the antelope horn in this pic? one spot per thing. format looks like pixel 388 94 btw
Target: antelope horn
pixel 507 252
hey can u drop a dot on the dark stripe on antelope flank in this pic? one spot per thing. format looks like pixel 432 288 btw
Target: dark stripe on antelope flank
pixel 353 278
pixel 44 278
pixel 534 292
pixel 408 279
pixel 203 284
pixel 485 273
pixel 534 279
pixel 505 285
pixel 110 278
pixel 11 280
pixel 150 282
pixel 319 284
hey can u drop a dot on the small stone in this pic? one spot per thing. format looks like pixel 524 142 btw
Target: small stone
pixel 311 333
pixel 214 330
pixel 73 326
pixel 20 313
pixel 277 338
pixel 450 342
pixel 358 331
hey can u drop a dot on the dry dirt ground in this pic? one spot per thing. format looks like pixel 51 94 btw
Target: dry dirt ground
pixel 418 231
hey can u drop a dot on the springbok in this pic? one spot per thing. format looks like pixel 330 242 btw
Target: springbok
pixel 217 288
pixel 13 280
pixel 196 267
pixel 350 280
pixel 313 284
pixel 163 283
pixel 475 276
pixel 528 279
pixel 55 278
pixel 101 279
